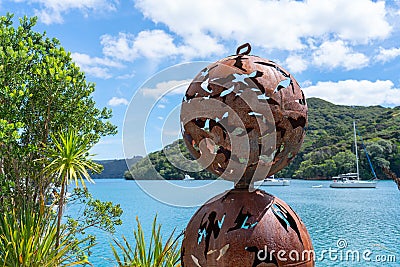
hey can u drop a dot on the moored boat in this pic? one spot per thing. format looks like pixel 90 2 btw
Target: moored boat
pixel 272 181
pixel 352 180
pixel 188 178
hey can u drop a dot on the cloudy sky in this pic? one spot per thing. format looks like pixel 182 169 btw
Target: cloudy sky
pixel 346 52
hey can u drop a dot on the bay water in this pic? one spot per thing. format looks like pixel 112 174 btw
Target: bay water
pixel 348 227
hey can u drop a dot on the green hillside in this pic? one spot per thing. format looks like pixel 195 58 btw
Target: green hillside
pixel 143 170
pixel 327 149
pixel 114 168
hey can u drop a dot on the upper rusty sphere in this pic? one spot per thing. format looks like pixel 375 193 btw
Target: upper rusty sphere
pixel 242 228
pixel 243 117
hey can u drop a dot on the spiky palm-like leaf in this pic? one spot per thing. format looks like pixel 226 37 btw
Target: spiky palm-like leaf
pixel 69 158
pixel 156 254
pixel 29 237
pixel 69 162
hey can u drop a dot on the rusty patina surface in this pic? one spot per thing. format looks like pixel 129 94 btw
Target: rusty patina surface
pixel 242 228
pixel 244 118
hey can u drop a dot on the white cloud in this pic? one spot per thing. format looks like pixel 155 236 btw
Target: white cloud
pixel 296 64
pixel 87 60
pixel 120 47
pixel 51 11
pixel 269 24
pixel 153 44
pixel 98 67
pixel 156 45
pixel 333 54
pixel 356 92
pixel 116 101
pixel 98 72
pixel 386 55
pixel 199 29
pixel 200 45
pixel 173 87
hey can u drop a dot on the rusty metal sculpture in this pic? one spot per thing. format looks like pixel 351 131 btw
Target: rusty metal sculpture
pixel 243 118
pixel 241 228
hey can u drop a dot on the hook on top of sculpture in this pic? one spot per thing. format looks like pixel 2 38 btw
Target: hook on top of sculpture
pixel 244 117
pixel 247 52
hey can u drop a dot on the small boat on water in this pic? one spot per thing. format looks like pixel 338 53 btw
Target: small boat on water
pixel 317 186
pixel 272 181
pixel 352 180
pixel 188 178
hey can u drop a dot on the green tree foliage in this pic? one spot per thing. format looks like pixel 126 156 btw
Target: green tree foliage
pixel 42 91
pixel 328 148
pixel 69 162
pixel 8 135
pixel 330 137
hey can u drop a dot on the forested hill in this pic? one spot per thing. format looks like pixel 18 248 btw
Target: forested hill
pixel 328 148
pixel 114 168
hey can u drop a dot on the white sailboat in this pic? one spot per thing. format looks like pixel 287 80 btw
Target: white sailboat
pixel 272 181
pixel 352 180
pixel 188 178
pixel 317 186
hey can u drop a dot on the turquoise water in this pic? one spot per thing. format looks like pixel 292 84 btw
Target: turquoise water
pixel 362 220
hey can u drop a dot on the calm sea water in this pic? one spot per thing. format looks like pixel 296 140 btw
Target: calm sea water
pixel 338 220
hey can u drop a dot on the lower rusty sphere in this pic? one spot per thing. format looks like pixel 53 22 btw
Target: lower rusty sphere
pixel 242 228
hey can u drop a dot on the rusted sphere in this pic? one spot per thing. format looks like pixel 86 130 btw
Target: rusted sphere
pixel 244 117
pixel 242 228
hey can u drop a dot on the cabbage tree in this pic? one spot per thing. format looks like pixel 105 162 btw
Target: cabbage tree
pixel 69 162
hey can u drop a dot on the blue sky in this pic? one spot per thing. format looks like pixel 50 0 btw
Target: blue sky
pixel 346 52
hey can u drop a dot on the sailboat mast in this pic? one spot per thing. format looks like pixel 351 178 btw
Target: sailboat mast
pixel 355 148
